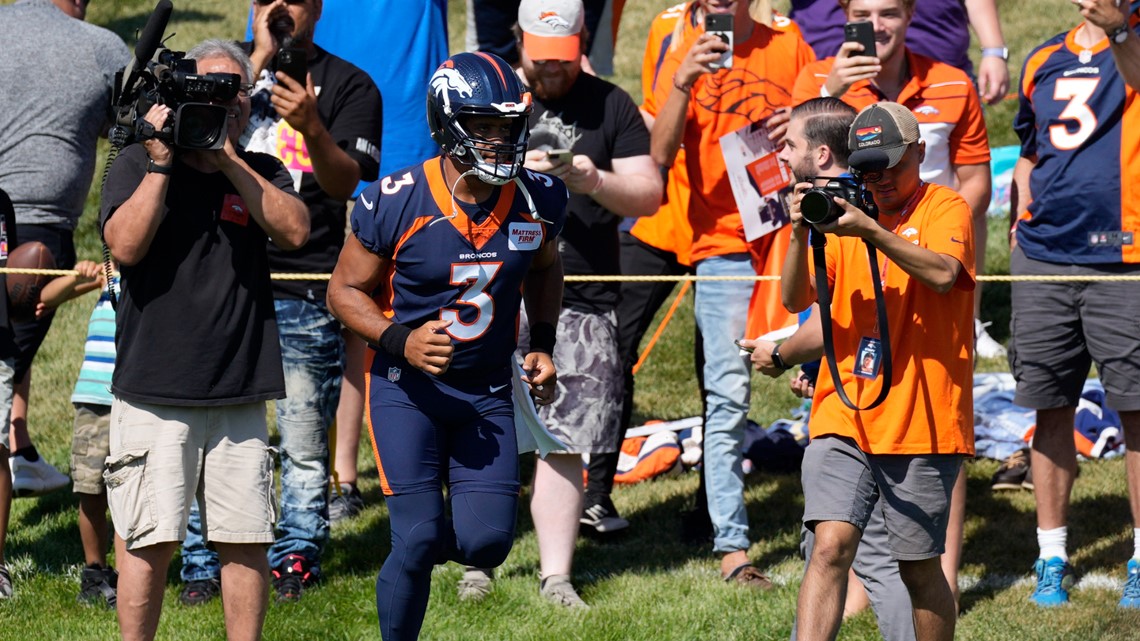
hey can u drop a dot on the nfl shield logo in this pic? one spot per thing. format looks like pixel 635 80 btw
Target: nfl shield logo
pixel 393 374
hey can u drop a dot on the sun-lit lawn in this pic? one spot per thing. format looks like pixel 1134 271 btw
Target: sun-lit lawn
pixel 647 585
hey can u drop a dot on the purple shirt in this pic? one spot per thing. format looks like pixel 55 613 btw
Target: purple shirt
pixel 939 29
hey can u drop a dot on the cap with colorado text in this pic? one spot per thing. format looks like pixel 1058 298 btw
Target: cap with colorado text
pixel 552 28
pixel 884 126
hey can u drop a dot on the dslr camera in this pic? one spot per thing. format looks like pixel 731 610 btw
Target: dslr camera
pixel 818 207
pixel 158 75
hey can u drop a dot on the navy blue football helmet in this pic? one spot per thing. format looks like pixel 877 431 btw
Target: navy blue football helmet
pixel 479 84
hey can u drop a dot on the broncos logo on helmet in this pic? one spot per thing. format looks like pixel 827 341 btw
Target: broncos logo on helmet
pixel 479 84
pixel 446 80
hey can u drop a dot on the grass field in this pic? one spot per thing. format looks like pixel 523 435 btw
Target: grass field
pixel 646 585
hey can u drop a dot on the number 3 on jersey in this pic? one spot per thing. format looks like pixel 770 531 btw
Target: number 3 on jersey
pixel 1077 92
pixel 477 277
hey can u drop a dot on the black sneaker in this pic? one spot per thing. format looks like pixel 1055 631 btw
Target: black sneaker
pixel 291 578
pixel 200 592
pixel 1013 472
pixel 345 503
pixel 98 586
pixel 602 518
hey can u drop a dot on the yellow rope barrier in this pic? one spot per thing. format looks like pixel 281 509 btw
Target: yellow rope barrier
pixel 988 278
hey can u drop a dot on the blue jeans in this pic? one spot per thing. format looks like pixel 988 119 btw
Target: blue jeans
pixel 199 563
pixel 721 309
pixel 312 355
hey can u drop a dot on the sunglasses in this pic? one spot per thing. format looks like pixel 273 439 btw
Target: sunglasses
pixel 269 2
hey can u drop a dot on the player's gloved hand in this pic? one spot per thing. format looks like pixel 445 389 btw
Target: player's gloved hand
pixel 429 347
pixel 541 377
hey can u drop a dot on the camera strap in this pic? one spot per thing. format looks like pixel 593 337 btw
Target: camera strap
pixel 823 294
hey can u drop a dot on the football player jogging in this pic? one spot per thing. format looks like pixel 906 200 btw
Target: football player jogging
pixel 440 258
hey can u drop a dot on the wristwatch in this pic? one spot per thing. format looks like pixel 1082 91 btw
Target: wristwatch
pixel 996 52
pixel 154 168
pixel 1119 34
pixel 777 360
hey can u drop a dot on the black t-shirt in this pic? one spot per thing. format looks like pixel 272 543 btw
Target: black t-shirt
pixel 348 104
pixel 196 324
pixel 598 119
pixel 7 242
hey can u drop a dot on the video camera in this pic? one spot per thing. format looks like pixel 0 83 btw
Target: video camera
pixel 158 75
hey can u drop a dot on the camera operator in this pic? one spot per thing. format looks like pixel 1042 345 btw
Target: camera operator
pixel 905 453
pixel 816 149
pixel 198 355
pixel 326 130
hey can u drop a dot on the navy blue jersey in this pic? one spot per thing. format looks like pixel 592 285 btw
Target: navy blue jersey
pixel 1073 119
pixel 468 268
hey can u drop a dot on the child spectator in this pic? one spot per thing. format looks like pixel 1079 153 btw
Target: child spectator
pixel 90 444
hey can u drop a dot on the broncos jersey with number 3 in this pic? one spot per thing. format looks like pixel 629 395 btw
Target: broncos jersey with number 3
pixel 444 264
pixel 1082 124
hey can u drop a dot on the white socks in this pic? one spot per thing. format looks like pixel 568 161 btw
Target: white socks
pixel 1136 542
pixel 1052 542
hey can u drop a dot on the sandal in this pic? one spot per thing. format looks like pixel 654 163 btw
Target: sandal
pixel 749 575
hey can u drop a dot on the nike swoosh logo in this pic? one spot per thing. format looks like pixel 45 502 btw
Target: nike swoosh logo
pixel 496 388
pixel 367 205
pixel 953 239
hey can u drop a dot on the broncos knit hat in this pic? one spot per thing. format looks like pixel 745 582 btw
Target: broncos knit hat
pixel 552 28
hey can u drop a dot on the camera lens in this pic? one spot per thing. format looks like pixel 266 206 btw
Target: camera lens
pixel 200 126
pixel 817 207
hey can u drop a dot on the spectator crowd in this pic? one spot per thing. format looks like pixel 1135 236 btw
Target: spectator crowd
pixel 842 147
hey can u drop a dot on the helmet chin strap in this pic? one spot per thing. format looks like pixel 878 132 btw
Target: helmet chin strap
pixel 454 185
pixel 474 171
pixel 530 202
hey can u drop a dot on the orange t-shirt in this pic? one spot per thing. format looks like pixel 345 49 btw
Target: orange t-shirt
pixel 669 228
pixel 764 67
pixel 942 98
pixel 930 408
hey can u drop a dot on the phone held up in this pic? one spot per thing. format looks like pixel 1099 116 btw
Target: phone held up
pixel 862 33
pixel 720 25
pixel 561 155
pixel 291 61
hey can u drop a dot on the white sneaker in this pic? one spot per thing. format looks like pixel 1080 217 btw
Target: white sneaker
pixel 33 478
pixel 984 344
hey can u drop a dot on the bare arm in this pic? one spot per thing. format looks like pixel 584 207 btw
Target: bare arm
pixel 796 288
pixel 1019 194
pixel 130 230
pixel 669 128
pixel 803 346
pixel 937 271
pixel 1108 15
pixel 542 295
pixel 974 186
pixel 357 274
pixel 283 217
pixel 632 189
pixel 88 277
pixel 993 72
pixel 335 171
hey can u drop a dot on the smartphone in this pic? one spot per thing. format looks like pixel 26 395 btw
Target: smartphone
pixel 720 25
pixel 742 347
pixel 292 62
pixel 864 34
pixel 561 155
